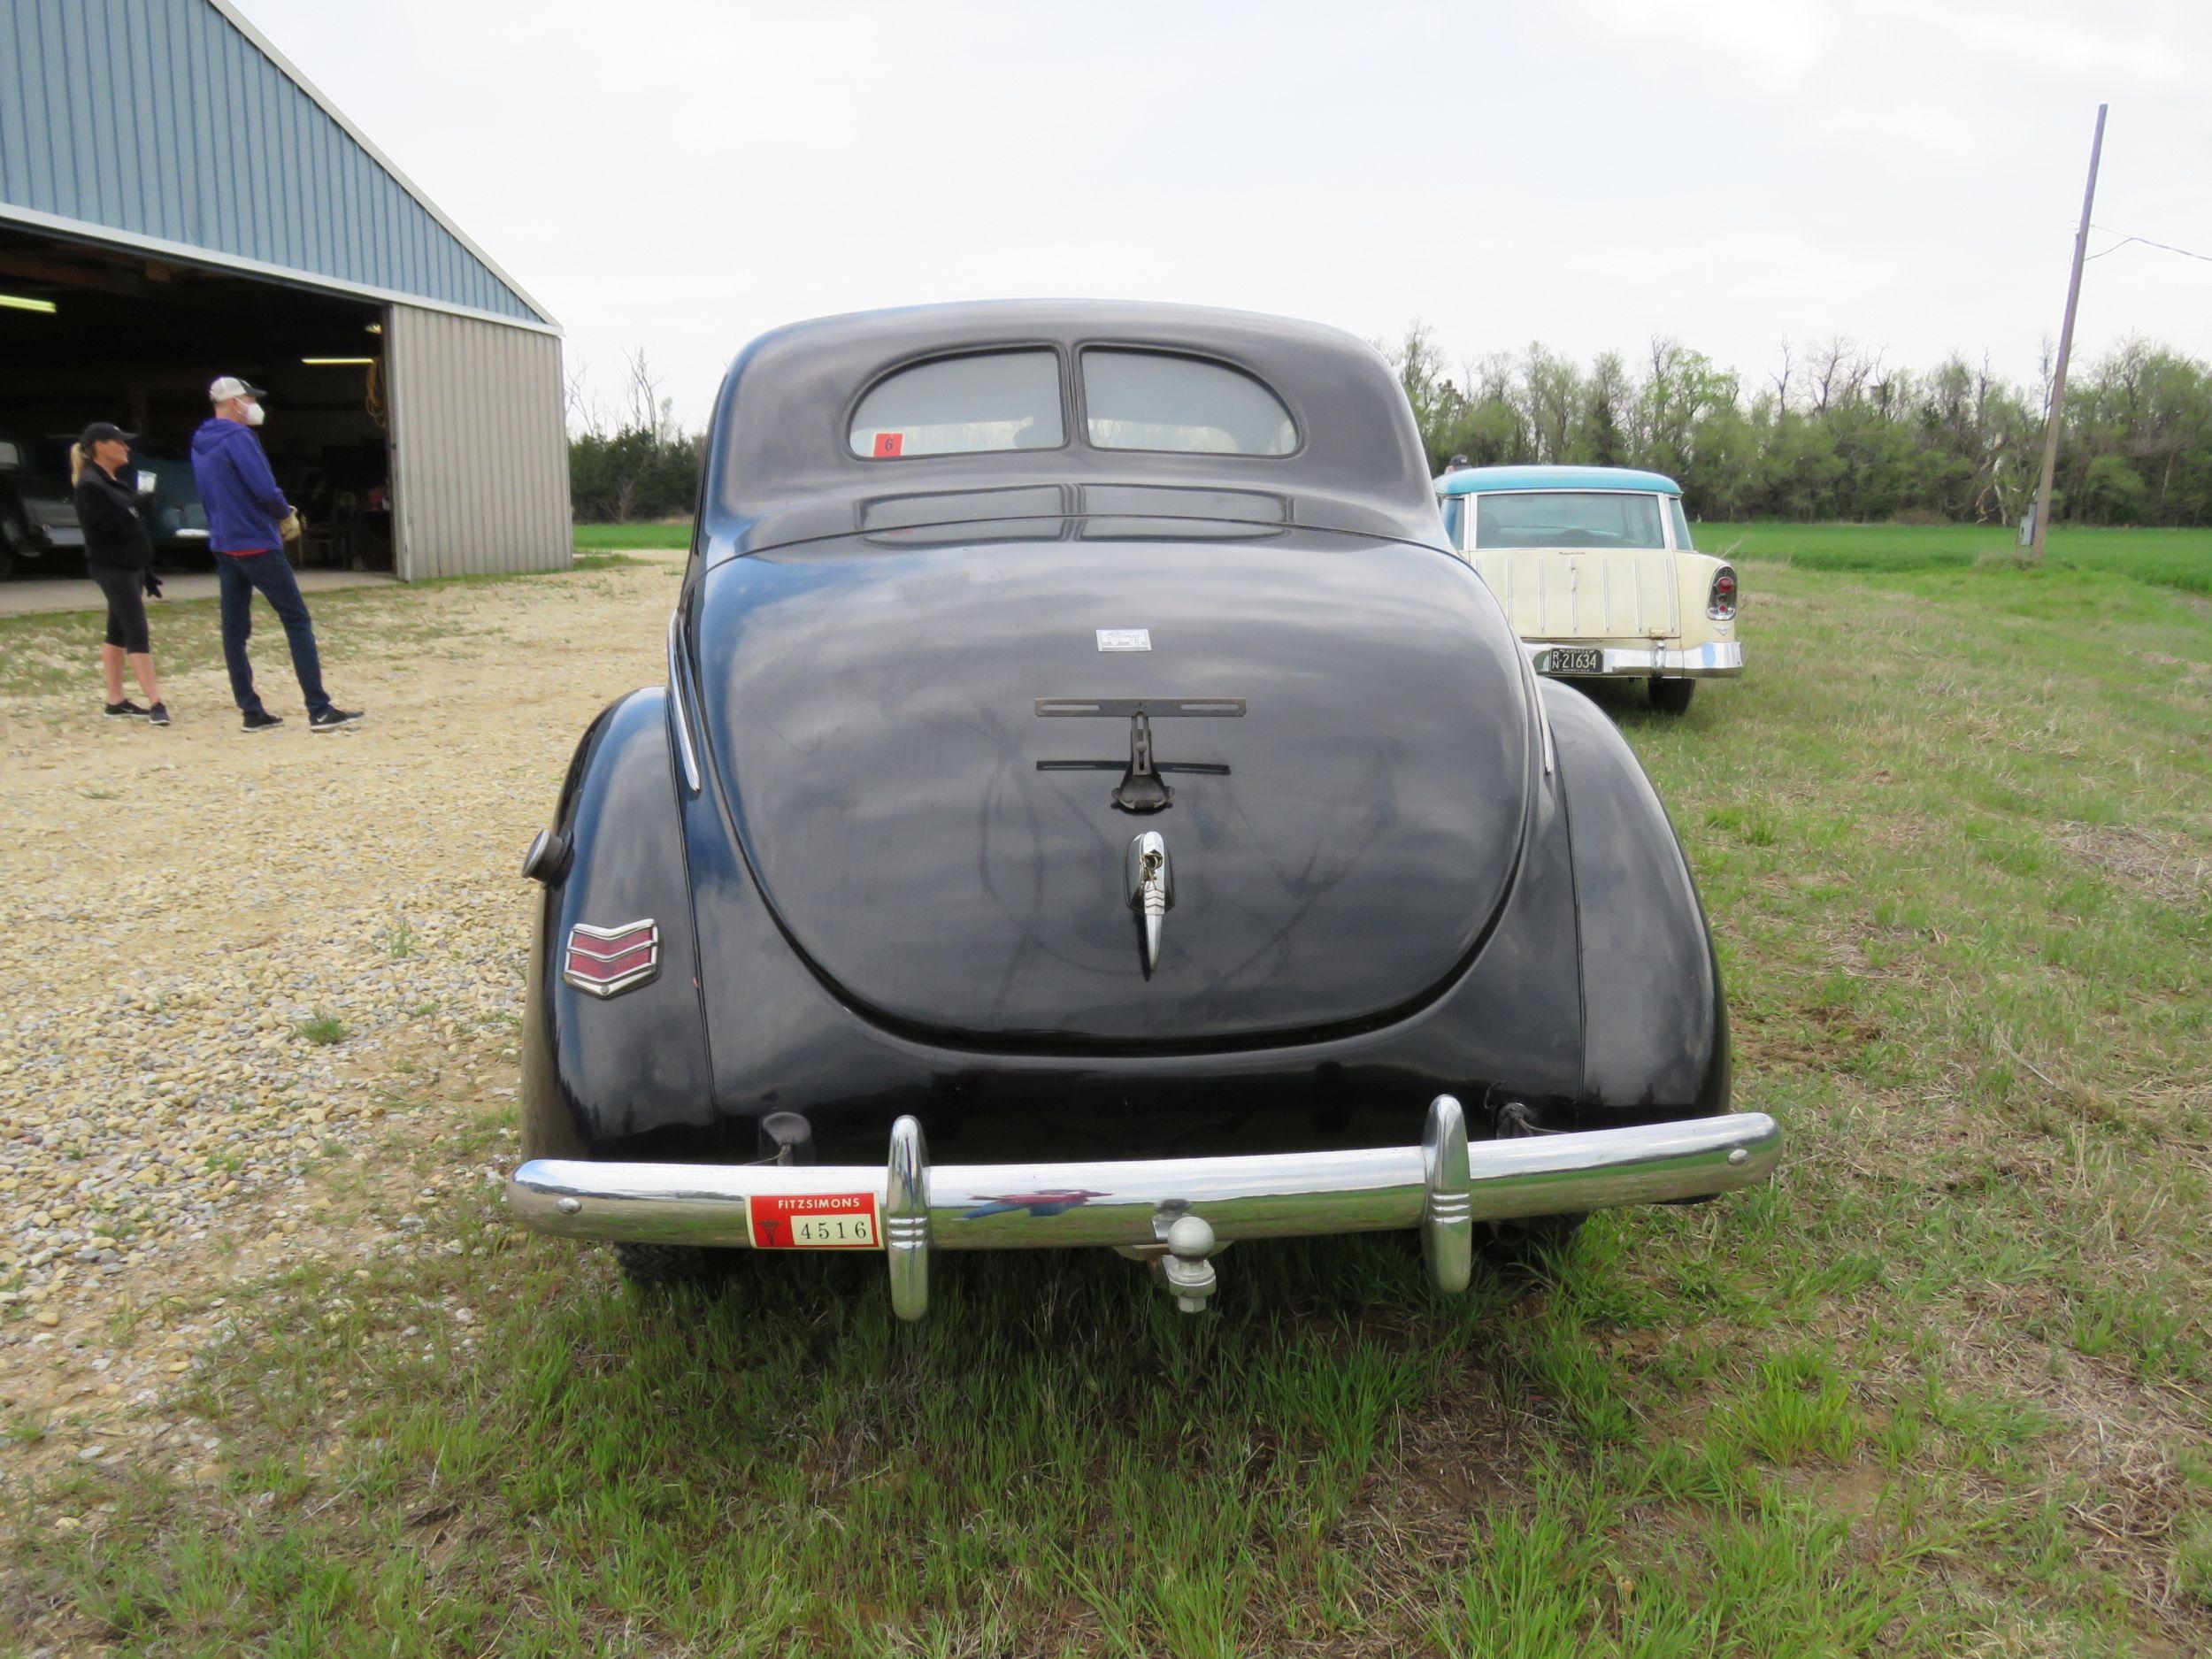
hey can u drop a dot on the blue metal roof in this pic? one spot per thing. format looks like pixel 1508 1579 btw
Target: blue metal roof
pixel 173 126
pixel 1468 480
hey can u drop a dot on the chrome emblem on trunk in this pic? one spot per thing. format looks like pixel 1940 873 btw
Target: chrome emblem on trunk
pixel 1151 891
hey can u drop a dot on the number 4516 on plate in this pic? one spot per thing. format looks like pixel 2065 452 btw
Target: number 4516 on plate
pixel 814 1221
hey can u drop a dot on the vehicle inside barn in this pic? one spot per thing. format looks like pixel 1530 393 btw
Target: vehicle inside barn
pixel 89 332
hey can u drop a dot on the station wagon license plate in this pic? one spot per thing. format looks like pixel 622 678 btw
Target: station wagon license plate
pixel 1563 660
pixel 816 1221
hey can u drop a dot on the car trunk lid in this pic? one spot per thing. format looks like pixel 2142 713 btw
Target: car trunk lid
pixel 943 846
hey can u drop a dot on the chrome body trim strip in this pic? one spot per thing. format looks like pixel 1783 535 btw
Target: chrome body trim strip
pixel 622 932
pixel 1543 716
pixel 1442 1186
pixel 680 704
pixel 1720 660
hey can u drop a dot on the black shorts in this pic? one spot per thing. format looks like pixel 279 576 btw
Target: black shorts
pixel 127 606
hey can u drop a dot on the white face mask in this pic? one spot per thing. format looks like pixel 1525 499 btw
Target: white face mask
pixel 254 416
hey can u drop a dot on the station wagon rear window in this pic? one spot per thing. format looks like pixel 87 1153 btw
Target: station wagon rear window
pixel 1152 400
pixel 1570 518
pixel 986 401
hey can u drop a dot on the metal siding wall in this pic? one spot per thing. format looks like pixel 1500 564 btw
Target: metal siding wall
pixel 481 447
pixel 157 118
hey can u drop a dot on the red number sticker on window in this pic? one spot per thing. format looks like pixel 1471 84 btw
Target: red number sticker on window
pixel 889 444
pixel 814 1221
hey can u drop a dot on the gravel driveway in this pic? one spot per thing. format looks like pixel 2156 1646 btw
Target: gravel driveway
pixel 265 986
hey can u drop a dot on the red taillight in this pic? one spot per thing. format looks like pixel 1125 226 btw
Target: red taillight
pixel 1722 605
pixel 604 960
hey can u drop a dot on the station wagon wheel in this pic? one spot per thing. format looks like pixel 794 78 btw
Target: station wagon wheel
pixel 673 1264
pixel 1673 696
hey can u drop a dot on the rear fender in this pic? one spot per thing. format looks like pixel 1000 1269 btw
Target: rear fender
pixel 1655 1021
pixel 1693 579
pixel 595 1070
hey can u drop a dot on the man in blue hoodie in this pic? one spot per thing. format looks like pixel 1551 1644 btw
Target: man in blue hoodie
pixel 245 513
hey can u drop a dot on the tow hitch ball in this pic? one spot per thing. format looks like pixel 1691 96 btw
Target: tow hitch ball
pixel 1181 1262
pixel 1190 1276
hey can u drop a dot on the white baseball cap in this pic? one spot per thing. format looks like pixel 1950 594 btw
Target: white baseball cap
pixel 229 387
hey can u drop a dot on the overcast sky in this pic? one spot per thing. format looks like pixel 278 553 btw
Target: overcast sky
pixel 1585 172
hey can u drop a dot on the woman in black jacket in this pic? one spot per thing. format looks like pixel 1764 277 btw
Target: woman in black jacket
pixel 117 555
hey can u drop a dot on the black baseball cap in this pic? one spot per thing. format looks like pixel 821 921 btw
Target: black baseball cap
pixel 102 432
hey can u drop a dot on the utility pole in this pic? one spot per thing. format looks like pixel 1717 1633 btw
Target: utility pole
pixel 2065 349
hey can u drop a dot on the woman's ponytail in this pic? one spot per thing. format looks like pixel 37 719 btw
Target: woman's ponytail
pixel 79 458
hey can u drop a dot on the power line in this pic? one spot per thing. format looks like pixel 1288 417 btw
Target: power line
pixel 2161 246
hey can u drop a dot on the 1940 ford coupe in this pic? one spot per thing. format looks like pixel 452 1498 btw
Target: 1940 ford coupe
pixel 1092 804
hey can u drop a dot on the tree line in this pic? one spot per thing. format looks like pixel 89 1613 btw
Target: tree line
pixel 1836 432
pixel 633 464
pixel 1832 433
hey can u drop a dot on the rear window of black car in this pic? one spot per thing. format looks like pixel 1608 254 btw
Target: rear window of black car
pixel 986 401
pixel 1154 400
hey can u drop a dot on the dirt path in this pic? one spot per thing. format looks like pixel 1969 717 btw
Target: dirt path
pixel 263 983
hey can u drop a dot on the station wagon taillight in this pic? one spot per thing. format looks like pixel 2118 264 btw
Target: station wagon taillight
pixel 1722 606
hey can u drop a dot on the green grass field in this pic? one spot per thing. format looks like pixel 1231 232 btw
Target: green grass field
pixel 2173 558
pixel 604 538
pixel 1944 1389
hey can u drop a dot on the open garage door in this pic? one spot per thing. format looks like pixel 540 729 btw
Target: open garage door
pixel 89 333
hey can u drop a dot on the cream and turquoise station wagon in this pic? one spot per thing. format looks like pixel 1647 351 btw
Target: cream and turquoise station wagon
pixel 1595 568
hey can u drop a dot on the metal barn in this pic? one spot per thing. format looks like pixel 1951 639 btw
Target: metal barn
pixel 150 239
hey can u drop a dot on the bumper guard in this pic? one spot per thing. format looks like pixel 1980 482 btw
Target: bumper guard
pixel 909 1207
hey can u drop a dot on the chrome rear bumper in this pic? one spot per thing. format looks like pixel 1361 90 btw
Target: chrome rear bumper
pixel 909 1207
pixel 1719 660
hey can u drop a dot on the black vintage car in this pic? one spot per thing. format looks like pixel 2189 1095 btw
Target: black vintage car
pixel 39 532
pixel 1084 761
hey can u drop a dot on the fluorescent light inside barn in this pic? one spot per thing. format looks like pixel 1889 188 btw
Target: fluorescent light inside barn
pixel 19 302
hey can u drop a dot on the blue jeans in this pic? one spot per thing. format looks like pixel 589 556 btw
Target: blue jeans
pixel 240 574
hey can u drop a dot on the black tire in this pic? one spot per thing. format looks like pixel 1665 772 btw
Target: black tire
pixel 1528 1240
pixel 1673 696
pixel 672 1263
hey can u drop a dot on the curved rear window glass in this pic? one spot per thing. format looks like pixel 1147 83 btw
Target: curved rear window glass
pixel 996 400
pixel 1576 518
pixel 1149 399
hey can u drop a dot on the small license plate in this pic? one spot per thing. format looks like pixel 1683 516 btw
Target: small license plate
pixel 817 1221
pixel 1563 661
